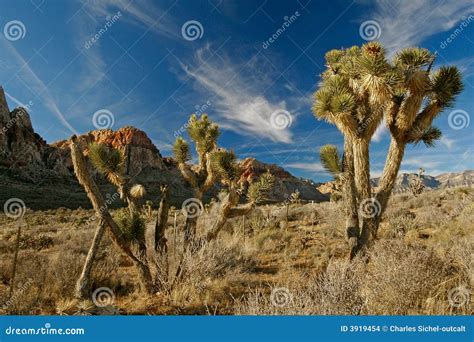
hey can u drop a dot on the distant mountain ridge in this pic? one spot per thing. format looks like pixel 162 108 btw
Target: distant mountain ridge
pixel 442 181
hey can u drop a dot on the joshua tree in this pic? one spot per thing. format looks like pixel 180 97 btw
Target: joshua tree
pixel 128 228
pixel 229 173
pixel 360 88
pixel 214 165
pixel 416 184
pixel 201 177
pixel 332 163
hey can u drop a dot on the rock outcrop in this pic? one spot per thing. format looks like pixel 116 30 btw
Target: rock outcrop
pixel 134 143
pixel 285 182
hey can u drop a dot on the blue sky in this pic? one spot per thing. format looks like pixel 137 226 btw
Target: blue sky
pixel 146 70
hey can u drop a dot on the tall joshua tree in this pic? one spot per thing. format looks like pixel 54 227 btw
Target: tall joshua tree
pixel 360 88
pixel 127 229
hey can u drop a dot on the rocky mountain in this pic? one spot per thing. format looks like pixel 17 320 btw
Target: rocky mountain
pixel 443 181
pixel 42 174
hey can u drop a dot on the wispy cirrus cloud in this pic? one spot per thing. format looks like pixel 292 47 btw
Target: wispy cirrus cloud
pixel 35 84
pixel 409 23
pixel 238 94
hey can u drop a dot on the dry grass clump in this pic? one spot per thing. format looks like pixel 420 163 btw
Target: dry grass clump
pixel 400 277
pixel 334 292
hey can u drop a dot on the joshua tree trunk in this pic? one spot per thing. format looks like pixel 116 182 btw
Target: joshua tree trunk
pixel 162 221
pixel 350 199
pixel 389 175
pixel 83 283
pixel 230 201
pixel 93 192
pixel 362 183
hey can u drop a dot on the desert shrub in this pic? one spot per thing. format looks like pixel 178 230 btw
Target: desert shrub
pixel 29 241
pixel 205 264
pixel 401 223
pixel 334 292
pixel 400 278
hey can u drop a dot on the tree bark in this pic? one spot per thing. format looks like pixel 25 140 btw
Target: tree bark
pixel 83 283
pixel 230 201
pixel 350 199
pixel 362 183
pixel 389 175
pixel 162 222
pixel 92 190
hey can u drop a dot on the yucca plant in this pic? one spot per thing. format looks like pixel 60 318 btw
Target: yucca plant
pixel 201 177
pixel 105 221
pixel 332 163
pixel 359 89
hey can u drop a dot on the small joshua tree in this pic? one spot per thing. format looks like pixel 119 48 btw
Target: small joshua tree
pixel 359 89
pixel 201 177
pixel 333 164
pixel 416 184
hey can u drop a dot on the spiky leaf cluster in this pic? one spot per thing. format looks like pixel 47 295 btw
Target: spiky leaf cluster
pixel 225 166
pixel 360 85
pixel 181 151
pixel 446 85
pixel 203 132
pixel 131 225
pixel 330 159
pixel 259 190
pixel 108 161
pixel 428 137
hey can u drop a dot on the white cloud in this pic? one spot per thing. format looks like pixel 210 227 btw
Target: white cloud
pixel 411 22
pixel 238 96
pixel 312 167
pixel 380 132
pixel 447 142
